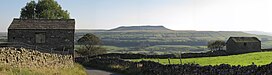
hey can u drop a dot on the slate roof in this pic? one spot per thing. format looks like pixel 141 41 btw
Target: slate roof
pixel 42 24
pixel 244 39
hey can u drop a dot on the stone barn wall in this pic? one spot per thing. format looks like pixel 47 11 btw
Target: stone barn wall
pixel 57 40
pixel 43 34
pixel 234 47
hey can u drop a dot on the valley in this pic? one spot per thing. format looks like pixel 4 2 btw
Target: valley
pixel 137 39
pixel 159 40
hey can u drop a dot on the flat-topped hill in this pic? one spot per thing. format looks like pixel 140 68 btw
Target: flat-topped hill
pixel 122 28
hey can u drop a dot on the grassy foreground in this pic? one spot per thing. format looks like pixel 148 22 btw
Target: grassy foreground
pixel 76 70
pixel 259 58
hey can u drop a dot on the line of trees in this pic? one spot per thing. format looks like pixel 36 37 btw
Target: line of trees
pixel 216 45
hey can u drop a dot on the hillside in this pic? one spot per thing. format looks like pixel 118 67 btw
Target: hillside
pixel 259 58
pixel 147 27
pixel 258 33
pixel 159 42
pixel 3 36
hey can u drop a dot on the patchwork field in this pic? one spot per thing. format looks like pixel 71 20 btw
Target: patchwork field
pixel 164 41
pixel 156 50
pixel 259 58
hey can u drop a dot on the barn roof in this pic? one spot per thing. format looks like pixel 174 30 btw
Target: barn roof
pixel 42 24
pixel 244 39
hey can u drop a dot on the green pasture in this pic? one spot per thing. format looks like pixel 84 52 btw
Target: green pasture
pixel 259 58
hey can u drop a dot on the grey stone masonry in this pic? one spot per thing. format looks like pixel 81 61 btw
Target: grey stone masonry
pixel 45 34
pixel 21 57
pixel 236 45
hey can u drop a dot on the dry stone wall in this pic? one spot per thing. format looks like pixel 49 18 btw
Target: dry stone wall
pixel 21 57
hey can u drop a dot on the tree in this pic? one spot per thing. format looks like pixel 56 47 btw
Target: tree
pixel 44 9
pixel 216 45
pixel 29 10
pixel 90 45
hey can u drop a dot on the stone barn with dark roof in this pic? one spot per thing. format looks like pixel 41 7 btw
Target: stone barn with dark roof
pixel 237 45
pixel 45 34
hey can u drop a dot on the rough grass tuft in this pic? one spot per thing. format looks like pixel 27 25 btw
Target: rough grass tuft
pixel 76 70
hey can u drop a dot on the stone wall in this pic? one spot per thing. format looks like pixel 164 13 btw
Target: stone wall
pixel 154 68
pixel 21 57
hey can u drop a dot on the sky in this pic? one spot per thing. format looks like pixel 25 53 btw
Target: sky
pixel 201 15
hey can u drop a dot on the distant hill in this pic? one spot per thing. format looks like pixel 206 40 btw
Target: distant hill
pixel 88 30
pixel 126 28
pixel 258 33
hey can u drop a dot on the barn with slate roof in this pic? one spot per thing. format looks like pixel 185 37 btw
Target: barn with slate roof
pixel 46 34
pixel 237 45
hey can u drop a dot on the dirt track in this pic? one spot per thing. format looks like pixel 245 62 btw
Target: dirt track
pixel 92 71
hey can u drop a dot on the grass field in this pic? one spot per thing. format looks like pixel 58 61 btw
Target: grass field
pixel 259 58
pixel 178 48
pixel 76 70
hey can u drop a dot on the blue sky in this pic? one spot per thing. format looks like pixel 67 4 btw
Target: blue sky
pixel 212 15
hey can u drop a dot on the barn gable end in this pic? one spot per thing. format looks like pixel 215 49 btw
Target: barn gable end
pixel 43 34
pixel 236 45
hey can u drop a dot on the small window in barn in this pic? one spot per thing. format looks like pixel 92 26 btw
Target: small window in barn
pixel 40 37
pixel 13 37
pixel 245 44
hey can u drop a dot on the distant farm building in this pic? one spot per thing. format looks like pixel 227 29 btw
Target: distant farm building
pixel 45 34
pixel 237 45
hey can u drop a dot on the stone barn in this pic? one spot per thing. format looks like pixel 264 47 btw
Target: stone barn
pixel 237 45
pixel 43 34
